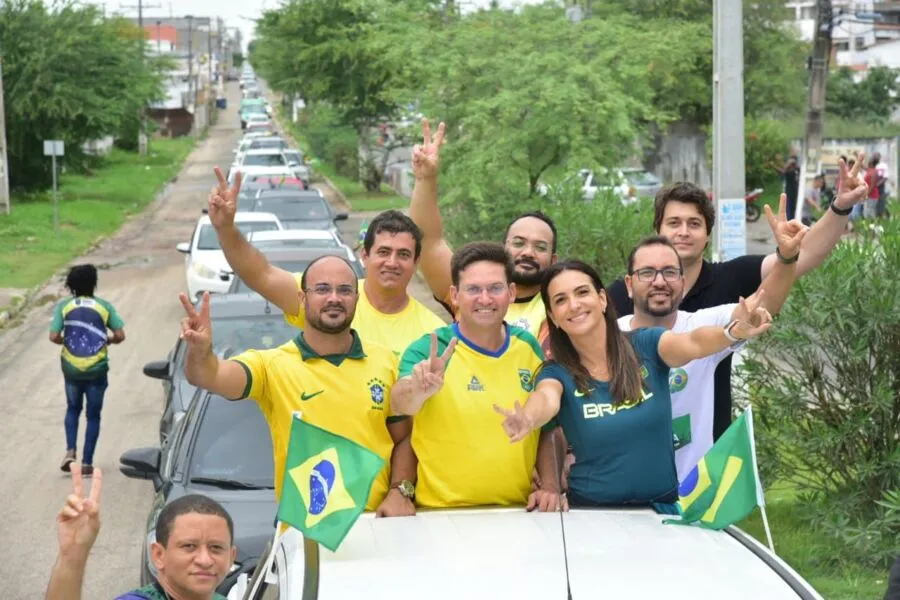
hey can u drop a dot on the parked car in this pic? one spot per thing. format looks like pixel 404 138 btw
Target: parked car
pixel 265 161
pixel 240 322
pixel 252 184
pixel 295 238
pixel 222 450
pixel 206 269
pixel 299 210
pixel 273 142
pixel 628 185
pixel 296 260
pixel 489 553
pixel 297 164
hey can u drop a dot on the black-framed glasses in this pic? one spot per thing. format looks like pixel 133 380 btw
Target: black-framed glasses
pixel 648 274
pixel 323 289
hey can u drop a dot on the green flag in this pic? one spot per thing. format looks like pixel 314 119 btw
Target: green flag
pixel 327 479
pixel 724 486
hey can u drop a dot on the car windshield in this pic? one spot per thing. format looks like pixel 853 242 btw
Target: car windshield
pixel 291 266
pixel 264 160
pixel 233 443
pixel 264 144
pixel 298 243
pixel 254 110
pixel 293 156
pixel 242 333
pixel 292 209
pixel 208 240
pixel 640 178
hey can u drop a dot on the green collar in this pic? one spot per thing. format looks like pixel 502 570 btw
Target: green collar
pixel 306 352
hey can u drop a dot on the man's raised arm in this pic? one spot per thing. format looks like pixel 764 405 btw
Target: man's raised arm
pixel 275 285
pixel 424 211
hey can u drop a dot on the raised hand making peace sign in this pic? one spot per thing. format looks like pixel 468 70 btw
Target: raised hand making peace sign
pixel 751 318
pixel 428 375
pixel 78 522
pixel 516 422
pixel 426 156
pixel 788 234
pixel 851 188
pixel 196 327
pixel 223 200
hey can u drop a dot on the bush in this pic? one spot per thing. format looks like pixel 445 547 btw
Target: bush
pixel 330 140
pixel 825 384
pixel 601 233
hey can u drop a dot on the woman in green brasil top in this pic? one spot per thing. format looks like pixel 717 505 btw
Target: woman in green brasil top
pixel 609 391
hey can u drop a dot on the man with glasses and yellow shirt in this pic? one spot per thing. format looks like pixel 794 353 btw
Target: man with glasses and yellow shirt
pixel 385 314
pixel 451 379
pixel 339 382
pixel 530 240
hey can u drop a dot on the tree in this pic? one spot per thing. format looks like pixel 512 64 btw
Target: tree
pixel 873 99
pixel 69 74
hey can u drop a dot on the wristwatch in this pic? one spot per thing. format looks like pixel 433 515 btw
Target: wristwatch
pixel 786 261
pixel 731 336
pixel 406 488
pixel 840 211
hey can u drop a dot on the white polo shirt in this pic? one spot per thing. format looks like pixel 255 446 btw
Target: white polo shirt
pixel 692 388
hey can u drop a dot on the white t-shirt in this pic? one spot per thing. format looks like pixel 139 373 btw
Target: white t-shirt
pixel 692 388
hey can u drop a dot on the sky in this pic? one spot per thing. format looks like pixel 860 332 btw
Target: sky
pixel 236 13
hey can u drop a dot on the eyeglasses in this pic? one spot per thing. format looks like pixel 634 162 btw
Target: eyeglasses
pixel 539 247
pixel 473 291
pixel 323 290
pixel 648 274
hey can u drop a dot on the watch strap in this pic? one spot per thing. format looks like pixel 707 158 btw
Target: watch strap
pixel 843 212
pixel 728 333
pixel 786 261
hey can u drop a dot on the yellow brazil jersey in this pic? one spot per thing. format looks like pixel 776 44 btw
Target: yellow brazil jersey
pixel 465 458
pixel 346 394
pixel 395 331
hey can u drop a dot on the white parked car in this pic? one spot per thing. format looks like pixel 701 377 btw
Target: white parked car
pixel 628 185
pixel 264 161
pixel 206 267
pixel 295 238
pixel 507 553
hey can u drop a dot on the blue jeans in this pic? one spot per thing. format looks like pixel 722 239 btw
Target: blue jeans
pixel 76 392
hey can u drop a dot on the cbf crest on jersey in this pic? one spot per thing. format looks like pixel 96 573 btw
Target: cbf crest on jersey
pixel 377 392
pixel 525 380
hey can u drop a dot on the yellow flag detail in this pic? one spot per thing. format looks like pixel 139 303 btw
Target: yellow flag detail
pixel 732 470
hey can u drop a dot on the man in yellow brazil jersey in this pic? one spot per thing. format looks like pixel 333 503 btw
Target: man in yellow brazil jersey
pixel 386 313
pixel 449 380
pixel 336 381
pixel 530 240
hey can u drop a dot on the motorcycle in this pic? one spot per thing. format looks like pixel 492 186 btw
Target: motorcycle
pixel 752 210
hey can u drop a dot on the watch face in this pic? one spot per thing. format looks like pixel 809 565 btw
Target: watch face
pixel 407 489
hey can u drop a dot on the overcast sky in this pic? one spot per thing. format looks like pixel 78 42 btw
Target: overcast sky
pixel 236 13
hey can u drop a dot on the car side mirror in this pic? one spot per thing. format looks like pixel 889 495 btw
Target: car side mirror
pixel 140 463
pixel 158 369
pixel 184 248
pixel 341 217
pixel 205 211
pixel 293 163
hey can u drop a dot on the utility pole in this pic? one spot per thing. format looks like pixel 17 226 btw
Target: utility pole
pixel 815 108
pixel 728 130
pixel 191 91
pixel 4 167
pixel 142 141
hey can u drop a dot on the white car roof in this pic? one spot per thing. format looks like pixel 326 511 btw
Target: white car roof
pixel 291 234
pixel 509 553
pixel 244 216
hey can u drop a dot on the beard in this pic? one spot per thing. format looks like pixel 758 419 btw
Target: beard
pixel 657 311
pixel 329 325
pixel 529 278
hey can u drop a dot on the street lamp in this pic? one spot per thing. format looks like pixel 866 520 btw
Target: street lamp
pixel 158 35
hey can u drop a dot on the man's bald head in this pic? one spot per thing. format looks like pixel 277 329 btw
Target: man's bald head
pixel 330 289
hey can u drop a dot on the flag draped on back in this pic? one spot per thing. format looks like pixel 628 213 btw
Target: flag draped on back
pixel 327 481
pixel 724 486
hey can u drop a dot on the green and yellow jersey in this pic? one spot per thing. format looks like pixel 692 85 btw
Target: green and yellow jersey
pixel 465 458
pixel 396 331
pixel 83 322
pixel 346 394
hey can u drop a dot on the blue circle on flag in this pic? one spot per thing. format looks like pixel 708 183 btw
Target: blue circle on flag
pixel 321 480
pixel 690 483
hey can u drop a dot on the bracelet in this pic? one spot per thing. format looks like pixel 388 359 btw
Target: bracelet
pixel 786 261
pixel 728 333
pixel 843 212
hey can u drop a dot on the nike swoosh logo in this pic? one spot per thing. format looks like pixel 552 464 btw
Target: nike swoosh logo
pixel 304 396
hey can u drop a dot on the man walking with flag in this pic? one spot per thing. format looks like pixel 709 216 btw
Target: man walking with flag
pixel 340 384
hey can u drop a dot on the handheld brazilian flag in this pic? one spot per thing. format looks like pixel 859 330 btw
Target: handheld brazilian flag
pixel 327 481
pixel 724 486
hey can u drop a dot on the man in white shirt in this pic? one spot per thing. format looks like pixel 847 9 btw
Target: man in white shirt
pixel 655 282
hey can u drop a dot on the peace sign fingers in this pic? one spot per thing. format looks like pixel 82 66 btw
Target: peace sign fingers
pixel 188 306
pixel 426 132
pixel 223 183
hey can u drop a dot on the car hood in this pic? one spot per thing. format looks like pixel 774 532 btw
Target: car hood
pixel 252 511
pixel 509 553
pixel 214 259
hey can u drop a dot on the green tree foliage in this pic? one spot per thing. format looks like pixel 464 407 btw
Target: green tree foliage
pixel 68 74
pixel 872 100
pixel 825 383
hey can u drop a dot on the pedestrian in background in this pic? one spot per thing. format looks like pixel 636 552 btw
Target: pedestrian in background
pixel 80 325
